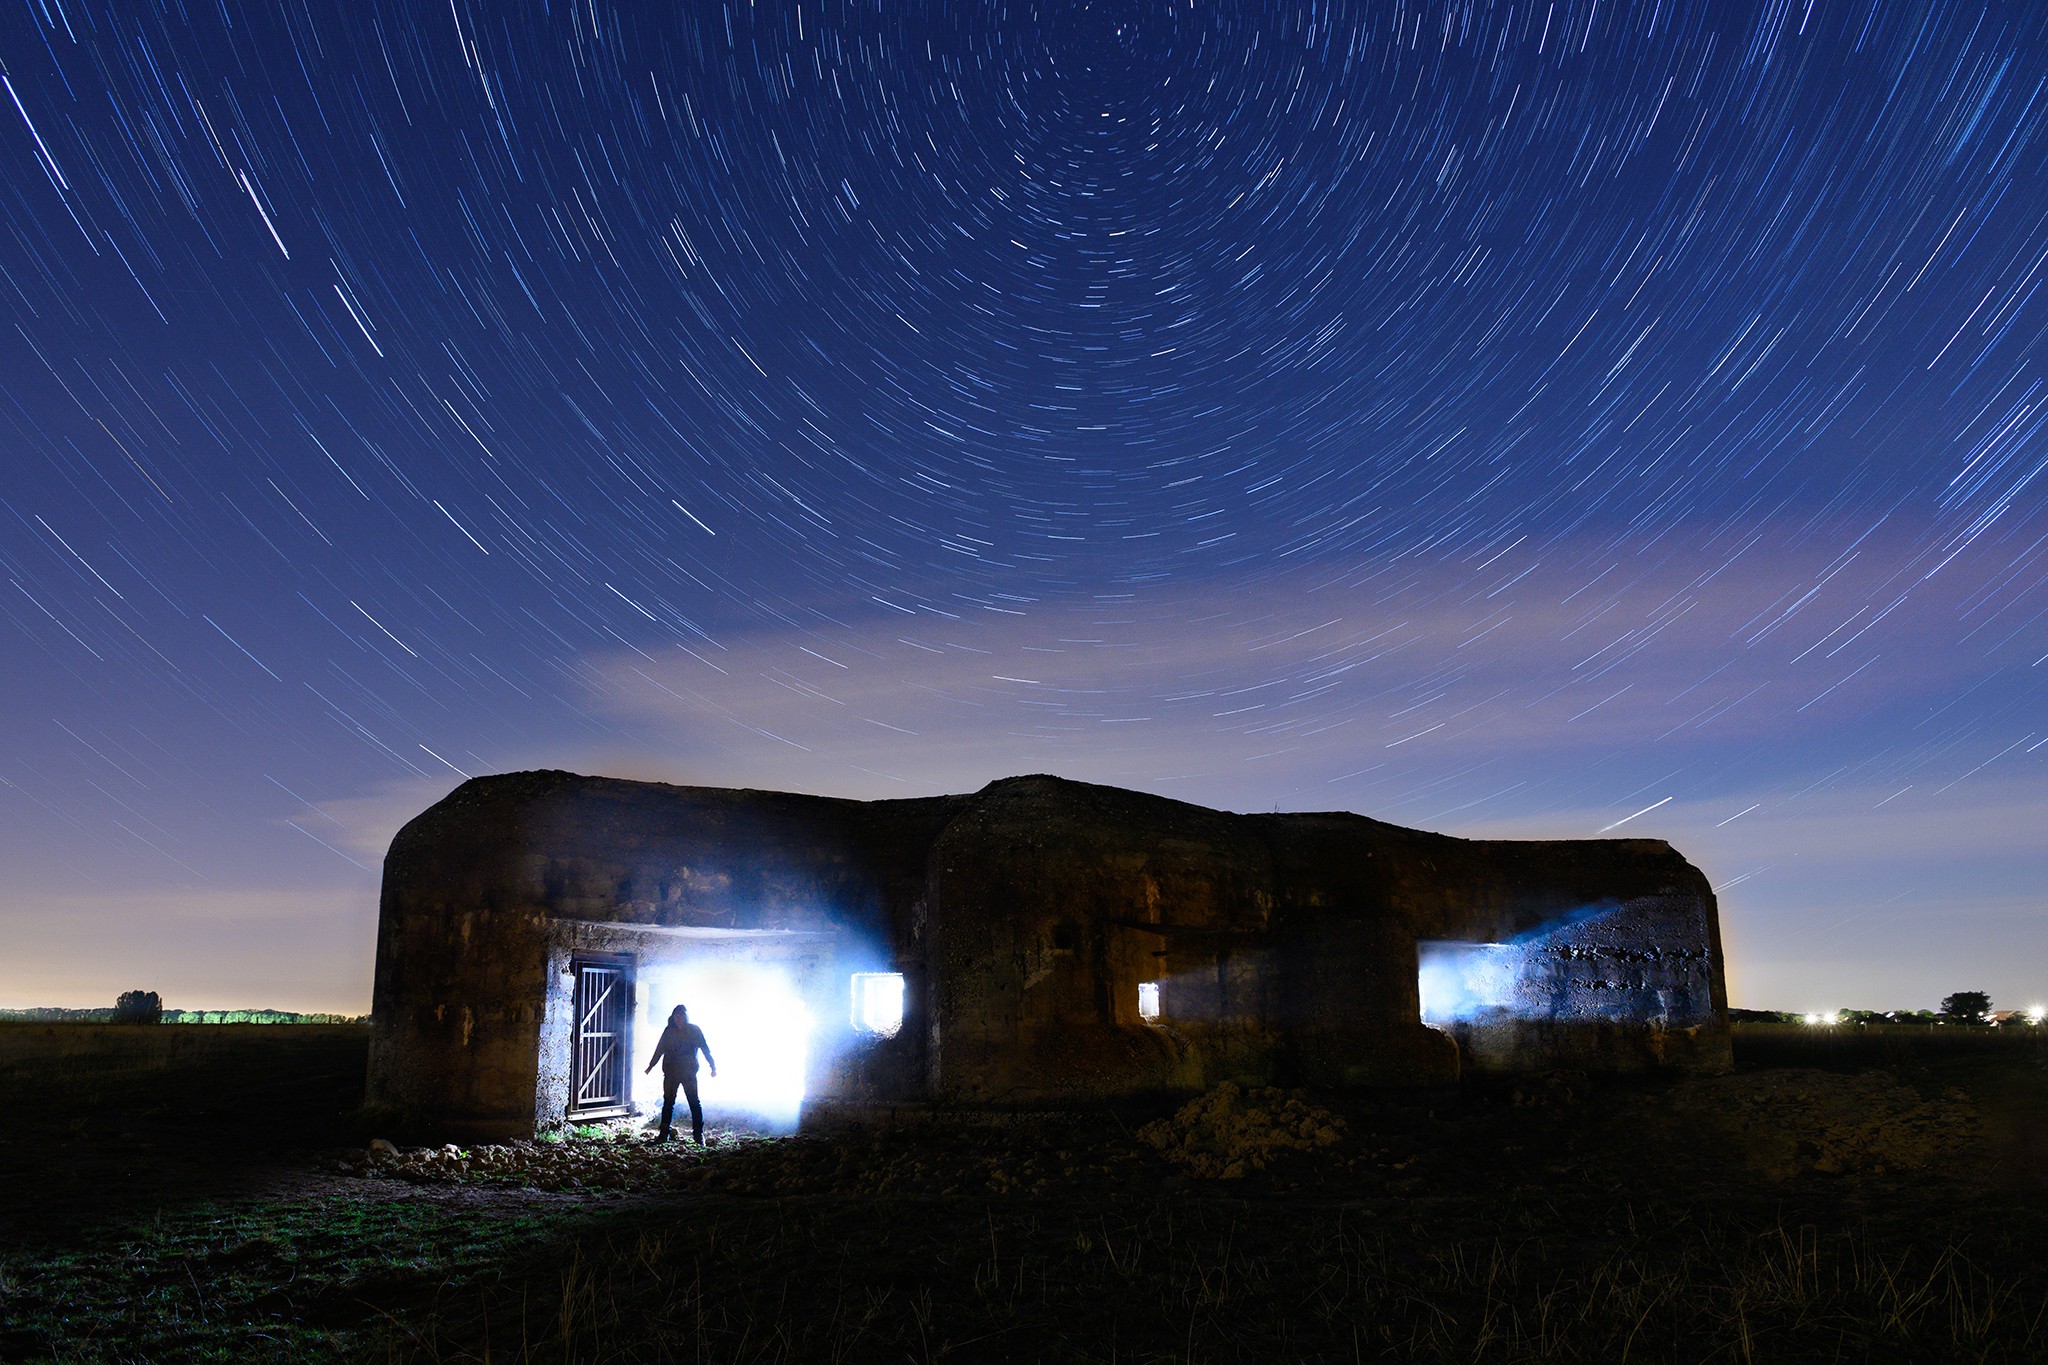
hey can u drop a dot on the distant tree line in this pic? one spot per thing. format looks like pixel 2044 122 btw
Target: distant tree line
pixel 259 1017
pixel 147 1007
pixel 1839 1017
pixel 1959 1007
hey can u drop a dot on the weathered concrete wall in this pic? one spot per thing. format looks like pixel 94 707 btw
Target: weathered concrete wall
pixel 455 1016
pixel 1628 985
pixel 1623 934
pixel 456 1006
pixel 644 853
pixel 1347 931
pixel 1285 948
pixel 462 1023
pixel 1023 918
pixel 1051 902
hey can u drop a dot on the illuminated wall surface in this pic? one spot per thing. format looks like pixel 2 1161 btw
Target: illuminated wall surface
pixel 1462 980
pixel 1038 941
pixel 1567 971
pixel 1559 991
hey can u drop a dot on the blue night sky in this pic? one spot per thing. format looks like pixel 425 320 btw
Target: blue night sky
pixel 1510 419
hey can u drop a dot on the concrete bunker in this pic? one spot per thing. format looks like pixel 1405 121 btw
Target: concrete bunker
pixel 1039 941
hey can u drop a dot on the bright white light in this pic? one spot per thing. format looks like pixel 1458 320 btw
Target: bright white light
pixel 1458 980
pixel 878 1002
pixel 755 1024
pixel 1148 999
pixel 1826 1020
pixel 2037 1013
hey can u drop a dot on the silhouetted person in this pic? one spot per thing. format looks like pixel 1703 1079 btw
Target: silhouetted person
pixel 677 1052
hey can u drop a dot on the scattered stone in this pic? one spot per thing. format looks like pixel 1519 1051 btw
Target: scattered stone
pixel 1007 1160
pixel 609 1161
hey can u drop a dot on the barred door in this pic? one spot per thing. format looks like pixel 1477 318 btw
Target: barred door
pixel 598 1070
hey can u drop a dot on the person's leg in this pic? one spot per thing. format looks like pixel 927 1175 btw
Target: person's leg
pixel 696 1109
pixel 668 1104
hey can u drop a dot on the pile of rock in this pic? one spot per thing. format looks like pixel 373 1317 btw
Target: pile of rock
pixel 937 1161
pixel 620 1161
pixel 1230 1132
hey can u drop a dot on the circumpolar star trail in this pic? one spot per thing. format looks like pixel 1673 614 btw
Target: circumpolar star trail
pixel 1488 417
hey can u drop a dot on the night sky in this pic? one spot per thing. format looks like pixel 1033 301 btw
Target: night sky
pixel 1534 419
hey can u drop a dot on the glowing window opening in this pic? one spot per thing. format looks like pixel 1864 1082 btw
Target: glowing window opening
pixel 1148 999
pixel 878 1002
pixel 1459 982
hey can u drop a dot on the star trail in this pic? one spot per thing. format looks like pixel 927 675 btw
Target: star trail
pixel 1513 419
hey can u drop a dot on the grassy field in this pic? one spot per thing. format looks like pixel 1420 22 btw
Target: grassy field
pixel 1868 1197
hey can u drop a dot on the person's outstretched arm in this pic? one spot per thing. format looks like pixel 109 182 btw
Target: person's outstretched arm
pixel 657 1053
pixel 705 1048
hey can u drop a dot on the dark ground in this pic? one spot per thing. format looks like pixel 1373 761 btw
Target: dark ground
pixel 199 1193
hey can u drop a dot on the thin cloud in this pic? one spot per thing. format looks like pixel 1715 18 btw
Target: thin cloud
pixel 1298 676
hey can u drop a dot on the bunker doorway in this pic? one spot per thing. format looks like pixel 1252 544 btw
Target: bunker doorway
pixel 759 1008
pixel 600 1051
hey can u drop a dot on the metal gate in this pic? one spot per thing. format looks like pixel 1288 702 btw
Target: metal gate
pixel 603 1016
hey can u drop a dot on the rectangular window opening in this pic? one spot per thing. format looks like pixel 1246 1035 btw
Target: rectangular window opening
pixel 1462 982
pixel 878 1003
pixel 1148 999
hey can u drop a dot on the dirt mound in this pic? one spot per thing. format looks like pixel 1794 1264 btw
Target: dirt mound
pixel 1229 1132
pixel 1796 1122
